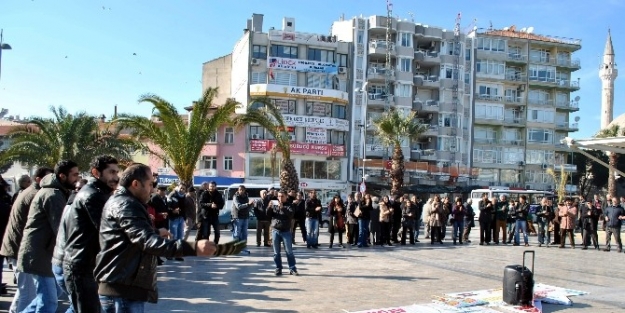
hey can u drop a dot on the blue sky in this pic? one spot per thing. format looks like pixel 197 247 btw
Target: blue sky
pixel 79 54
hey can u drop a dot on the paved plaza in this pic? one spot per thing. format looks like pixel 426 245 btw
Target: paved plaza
pixel 352 279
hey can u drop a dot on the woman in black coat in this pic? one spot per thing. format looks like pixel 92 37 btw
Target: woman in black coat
pixel 337 210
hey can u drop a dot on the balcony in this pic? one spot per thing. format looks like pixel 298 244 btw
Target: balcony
pixel 514 121
pixel 425 106
pixel 567 167
pixel 378 99
pixel 380 74
pixel 513 100
pixel 516 77
pixel 543 102
pixel 431 131
pixel 489 120
pixel 561 146
pixel 570 63
pixel 566 126
pixel 508 142
pixel 487 97
pixel 552 81
pixel 572 106
pixel 485 141
pixel 427 57
pixel 380 47
pixel 431 81
pixel 516 57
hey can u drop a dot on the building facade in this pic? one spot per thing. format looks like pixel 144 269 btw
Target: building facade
pixel 522 105
pixel 426 75
pixel 305 75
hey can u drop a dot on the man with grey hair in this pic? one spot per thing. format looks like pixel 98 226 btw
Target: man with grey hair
pixel 23 182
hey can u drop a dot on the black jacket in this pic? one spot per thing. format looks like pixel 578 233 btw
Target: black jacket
pixel 158 203
pixel 408 208
pixel 82 225
pixel 311 205
pixel 522 210
pixel 206 200
pixel 485 211
pixel 176 201
pixel 129 246
pixel 281 218
pixel 241 206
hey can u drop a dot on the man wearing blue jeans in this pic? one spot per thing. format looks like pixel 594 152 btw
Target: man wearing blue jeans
pixel 241 214
pixel 521 221
pixel 176 213
pixel 281 213
pixel 35 255
pixel 363 223
pixel 313 215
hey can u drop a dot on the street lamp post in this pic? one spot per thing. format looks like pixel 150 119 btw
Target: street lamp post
pixel 363 127
pixel 3 46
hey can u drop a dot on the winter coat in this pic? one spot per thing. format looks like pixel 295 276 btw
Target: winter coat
pixel 568 216
pixel 337 219
pixel 385 214
pixel 44 217
pixel 311 208
pixel 437 215
pixel 281 218
pixel 175 200
pixel 351 208
pixel 613 213
pixel 240 206
pixel 17 221
pixel 206 209
pixel 5 211
pixel 485 211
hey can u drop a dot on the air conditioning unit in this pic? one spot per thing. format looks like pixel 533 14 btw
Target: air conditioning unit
pixel 545 166
pixel 255 136
pixel 292 137
pixel 342 70
pixel 255 61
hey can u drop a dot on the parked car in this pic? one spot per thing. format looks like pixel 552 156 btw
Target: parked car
pixel 325 218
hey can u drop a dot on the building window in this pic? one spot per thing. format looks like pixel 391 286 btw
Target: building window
pixel 339 111
pixel 342 59
pixel 228 163
pixel 404 90
pixel 283 78
pixel 259 52
pixel 540 116
pixel 491 112
pixel 488 90
pixel 540 135
pixel 285 106
pixel 451 47
pixel 489 44
pixel 337 137
pixel 490 67
pixel 405 39
pixel 321 55
pixel 512 155
pixel 209 162
pixel 447 120
pixel 261 166
pixel 259 78
pixel 539 157
pixel 360 36
pixel 321 169
pixel 212 138
pixel 542 73
pixel 540 55
pixel 405 64
pixel 319 80
pixel 539 97
pixel 487 155
pixel 283 51
pixel 317 135
pixel 448 144
pixel 257 132
pixel 318 109
pixel 229 135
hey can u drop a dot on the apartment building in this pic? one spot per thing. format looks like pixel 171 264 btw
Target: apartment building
pixel 305 75
pixel 522 106
pixel 427 76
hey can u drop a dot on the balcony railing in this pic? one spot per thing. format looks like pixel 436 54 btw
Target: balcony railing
pixel 512 99
pixel 517 77
pixel 546 102
pixel 487 97
pixel 380 73
pixel 567 125
pixel 514 120
pixel 568 62
pixel 555 81
pixel 568 105
pixel 427 53
pixel 517 57
pixel 381 44
pixel 566 167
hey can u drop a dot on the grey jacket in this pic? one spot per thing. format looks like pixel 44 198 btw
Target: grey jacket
pixel 17 222
pixel 44 217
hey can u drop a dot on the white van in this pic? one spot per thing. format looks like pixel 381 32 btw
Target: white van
pixel 253 192
pixel 533 196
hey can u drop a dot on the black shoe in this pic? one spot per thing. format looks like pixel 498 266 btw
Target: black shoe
pixel 266 245
pixel 169 259
pixel 585 248
pixel 460 242
pixel 315 247
pixel 417 240
pixel 159 261
pixel 179 259
pixel 330 246
pixel 308 247
pixel 258 244
pixel 3 291
pixel 455 243
pixel 294 273
pixel 278 272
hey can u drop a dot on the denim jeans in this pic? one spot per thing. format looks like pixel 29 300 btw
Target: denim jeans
pixel 363 232
pixel 176 228
pixel 520 225
pixel 543 229
pixel 417 225
pixel 312 226
pixel 211 221
pixel 458 227
pixel 240 229
pixel 47 295
pixel 278 237
pixel 60 283
pixel 121 305
pixel 25 292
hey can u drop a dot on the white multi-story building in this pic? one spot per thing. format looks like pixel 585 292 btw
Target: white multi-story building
pixel 426 75
pixel 522 105
pixel 305 74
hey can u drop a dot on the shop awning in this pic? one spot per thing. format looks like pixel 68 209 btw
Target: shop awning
pixel 610 144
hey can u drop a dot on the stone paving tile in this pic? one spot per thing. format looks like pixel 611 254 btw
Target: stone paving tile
pixel 333 280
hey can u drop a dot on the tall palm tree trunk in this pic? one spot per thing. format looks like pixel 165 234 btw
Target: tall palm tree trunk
pixel 397 170
pixel 288 176
pixel 612 161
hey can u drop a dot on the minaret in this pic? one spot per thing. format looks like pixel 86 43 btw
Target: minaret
pixel 607 73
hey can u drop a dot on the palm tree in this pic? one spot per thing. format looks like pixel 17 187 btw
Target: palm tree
pixel 560 180
pixel 178 143
pixel 270 118
pixel 78 137
pixel 392 127
pixel 611 131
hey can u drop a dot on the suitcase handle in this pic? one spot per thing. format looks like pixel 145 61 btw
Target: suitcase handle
pixel 533 258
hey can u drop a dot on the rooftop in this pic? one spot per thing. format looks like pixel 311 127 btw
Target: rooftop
pixel 512 32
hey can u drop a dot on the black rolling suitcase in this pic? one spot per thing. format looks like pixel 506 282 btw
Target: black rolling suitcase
pixel 518 283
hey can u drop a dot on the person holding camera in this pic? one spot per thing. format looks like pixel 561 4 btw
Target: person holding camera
pixel 281 213
pixel 545 214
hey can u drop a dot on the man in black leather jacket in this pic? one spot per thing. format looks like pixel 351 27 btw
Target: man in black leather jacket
pixel 126 264
pixel 82 225
pixel 211 202
pixel 281 214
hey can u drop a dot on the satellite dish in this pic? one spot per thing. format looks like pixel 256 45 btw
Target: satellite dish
pixel 577 118
pixel 523 29
pixel 530 29
pixel 577 98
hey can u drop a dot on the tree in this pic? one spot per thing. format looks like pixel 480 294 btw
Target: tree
pixel 178 142
pixel 560 180
pixel 79 137
pixel 611 131
pixel 392 127
pixel 263 112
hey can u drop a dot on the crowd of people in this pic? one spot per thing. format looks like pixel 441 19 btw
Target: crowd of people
pixel 95 240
